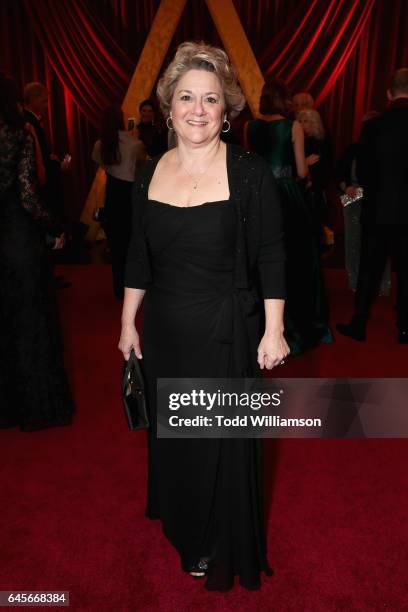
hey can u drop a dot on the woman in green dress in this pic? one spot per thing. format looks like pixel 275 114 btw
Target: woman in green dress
pixel 280 141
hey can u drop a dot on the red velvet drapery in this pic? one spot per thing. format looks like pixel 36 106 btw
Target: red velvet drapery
pixel 312 50
pixel 86 58
pixel 343 51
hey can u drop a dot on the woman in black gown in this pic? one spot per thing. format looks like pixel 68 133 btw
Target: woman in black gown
pixel 34 391
pixel 120 154
pixel 206 221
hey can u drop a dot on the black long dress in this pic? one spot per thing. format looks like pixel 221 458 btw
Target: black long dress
pixel 209 505
pixel 34 391
pixel 202 320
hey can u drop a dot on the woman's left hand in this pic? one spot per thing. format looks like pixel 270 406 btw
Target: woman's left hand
pixel 272 350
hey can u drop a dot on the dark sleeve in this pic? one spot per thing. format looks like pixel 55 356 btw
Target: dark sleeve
pixel 327 161
pixel 343 169
pixel 364 165
pixel 328 151
pixel 256 137
pixel 271 254
pixel 138 270
pixel 27 181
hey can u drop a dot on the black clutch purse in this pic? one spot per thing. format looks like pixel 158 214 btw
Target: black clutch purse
pixel 133 393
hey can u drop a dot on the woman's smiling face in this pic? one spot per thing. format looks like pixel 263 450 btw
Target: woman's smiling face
pixel 198 107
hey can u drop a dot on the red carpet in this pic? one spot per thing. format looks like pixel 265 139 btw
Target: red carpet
pixel 73 498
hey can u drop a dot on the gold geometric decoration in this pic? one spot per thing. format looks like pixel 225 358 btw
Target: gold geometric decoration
pixel 153 54
pixel 237 46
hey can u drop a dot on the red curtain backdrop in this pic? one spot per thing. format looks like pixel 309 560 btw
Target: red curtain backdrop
pixel 342 51
pixel 311 52
pixel 85 57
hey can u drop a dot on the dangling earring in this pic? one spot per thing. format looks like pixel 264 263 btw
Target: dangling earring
pixel 228 127
pixel 170 127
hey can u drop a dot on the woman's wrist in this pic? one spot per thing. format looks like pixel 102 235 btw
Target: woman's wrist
pixel 128 324
pixel 274 331
pixel 274 324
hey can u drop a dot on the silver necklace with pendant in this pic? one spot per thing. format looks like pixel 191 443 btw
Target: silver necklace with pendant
pixel 196 182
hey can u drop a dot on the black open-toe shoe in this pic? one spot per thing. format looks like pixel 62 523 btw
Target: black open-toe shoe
pixel 199 570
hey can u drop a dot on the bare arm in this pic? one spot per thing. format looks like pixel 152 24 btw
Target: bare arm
pixel 273 347
pixel 129 337
pixel 274 316
pixel 298 141
pixel 131 305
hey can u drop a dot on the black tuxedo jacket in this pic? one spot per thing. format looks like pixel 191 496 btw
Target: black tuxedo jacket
pixel 382 166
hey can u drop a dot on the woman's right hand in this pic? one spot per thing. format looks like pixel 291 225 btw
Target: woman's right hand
pixel 129 339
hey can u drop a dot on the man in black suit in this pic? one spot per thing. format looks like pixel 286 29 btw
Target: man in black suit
pixel 35 109
pixel 382 170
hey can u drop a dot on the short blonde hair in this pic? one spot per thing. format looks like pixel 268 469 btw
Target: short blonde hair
pixel 199 56
pixel 313 116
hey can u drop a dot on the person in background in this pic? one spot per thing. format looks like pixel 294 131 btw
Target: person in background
pixel 153 136
pixel 34 391
pixel 382 171
pixel 348 184
pixel 35 110
pixel 49 167
pixel 120 154
pixel 302 101
pixel 319 160
pixel 280 141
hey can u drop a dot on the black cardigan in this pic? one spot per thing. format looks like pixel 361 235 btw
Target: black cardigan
pixel 259 243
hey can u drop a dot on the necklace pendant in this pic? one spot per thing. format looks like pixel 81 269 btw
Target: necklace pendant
pixel 195 186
